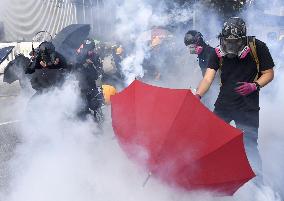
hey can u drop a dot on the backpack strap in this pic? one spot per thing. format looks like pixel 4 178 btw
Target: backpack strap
pixel 220 69
pixel 219 54
pixel 252 45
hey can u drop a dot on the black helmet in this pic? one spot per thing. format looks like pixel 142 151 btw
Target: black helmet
pixel 234 27
pixel 46 47
pixel 233 37
pixel 193 37
pixel 47 52
pixel 89 45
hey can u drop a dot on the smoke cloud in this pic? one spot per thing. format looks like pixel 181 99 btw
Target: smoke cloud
pixel 62 158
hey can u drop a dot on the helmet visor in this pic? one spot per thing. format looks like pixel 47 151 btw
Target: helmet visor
pixel 232 45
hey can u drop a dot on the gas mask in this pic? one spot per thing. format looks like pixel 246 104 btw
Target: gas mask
pixel 195 49
pixel 232 47
pixel 48 57
pixel 47 53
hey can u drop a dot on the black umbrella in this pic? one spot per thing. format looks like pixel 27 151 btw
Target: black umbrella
pixel 4 52
pixel 71 36
pixel 15 70
pixel 69 39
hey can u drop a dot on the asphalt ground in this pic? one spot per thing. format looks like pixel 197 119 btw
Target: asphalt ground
pixel 8 128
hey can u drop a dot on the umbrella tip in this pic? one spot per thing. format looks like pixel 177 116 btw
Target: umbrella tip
pixel 147 179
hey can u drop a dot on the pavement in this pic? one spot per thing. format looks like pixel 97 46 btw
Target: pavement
pixel 8 128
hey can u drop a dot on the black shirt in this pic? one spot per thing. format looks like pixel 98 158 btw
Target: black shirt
pixel 240 70
pixel 204 56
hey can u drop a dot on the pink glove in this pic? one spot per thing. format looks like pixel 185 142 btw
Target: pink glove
pixel 245 88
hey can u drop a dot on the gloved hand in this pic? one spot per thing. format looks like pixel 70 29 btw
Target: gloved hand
pixel 245 88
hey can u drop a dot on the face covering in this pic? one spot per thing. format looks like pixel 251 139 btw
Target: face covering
pixel 195 49
pixel 241 54
pixel 234 47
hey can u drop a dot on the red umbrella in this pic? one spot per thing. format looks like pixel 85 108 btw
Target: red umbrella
pixel 187 145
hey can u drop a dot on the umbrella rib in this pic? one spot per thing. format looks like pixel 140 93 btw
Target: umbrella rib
pixel 216 148
pixel 159 153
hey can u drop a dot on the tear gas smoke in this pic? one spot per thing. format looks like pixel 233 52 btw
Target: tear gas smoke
pixel 60 158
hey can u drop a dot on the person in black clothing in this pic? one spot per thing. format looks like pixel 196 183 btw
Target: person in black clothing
pixel 241 80
pixel 88 71
pixel 47 67
pixel 46 57
pixel 195 42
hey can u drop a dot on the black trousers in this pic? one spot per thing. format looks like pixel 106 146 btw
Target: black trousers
pixel 248 122
pixel 93 99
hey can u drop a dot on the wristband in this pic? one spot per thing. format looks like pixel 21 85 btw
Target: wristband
pixel 257 85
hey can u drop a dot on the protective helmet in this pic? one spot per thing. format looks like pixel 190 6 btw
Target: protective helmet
pixel 234 27
pixel 47 52
pixel 233 37
pixel 85 50
pixel 89 45
pixel 194 40
pixel 47 47
pixel 193 37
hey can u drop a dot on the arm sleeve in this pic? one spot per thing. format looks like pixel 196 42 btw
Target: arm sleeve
pixel 213 61
pixel 264 57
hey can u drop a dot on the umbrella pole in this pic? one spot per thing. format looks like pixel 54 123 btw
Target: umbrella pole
pixel 147 179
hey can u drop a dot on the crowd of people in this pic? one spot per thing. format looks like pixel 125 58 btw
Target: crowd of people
pixel 244 62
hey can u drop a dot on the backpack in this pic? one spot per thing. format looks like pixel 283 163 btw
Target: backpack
pixel 252 45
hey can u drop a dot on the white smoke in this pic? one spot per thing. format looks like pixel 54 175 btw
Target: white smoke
pixel 61 158
pixel 135 19
pixel 271 96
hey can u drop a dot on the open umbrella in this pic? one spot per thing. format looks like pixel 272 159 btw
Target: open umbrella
pixel 15 70
pixel 4 52
pixel 72 35
pixel 186 144
pixel 70 38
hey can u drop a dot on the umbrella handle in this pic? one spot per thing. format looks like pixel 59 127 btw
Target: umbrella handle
pixel 33 49
pixel 147 179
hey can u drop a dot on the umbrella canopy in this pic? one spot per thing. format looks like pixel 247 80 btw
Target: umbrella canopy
pixel 186 144
pixel 4 52
pixel 70 39
pixel 15 70
pixel 72 35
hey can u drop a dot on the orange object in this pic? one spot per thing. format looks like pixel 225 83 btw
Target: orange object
pixel 119 50
pixel 156 41
pixel 108 91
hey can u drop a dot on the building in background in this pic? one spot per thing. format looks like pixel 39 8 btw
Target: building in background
pixel 21 19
